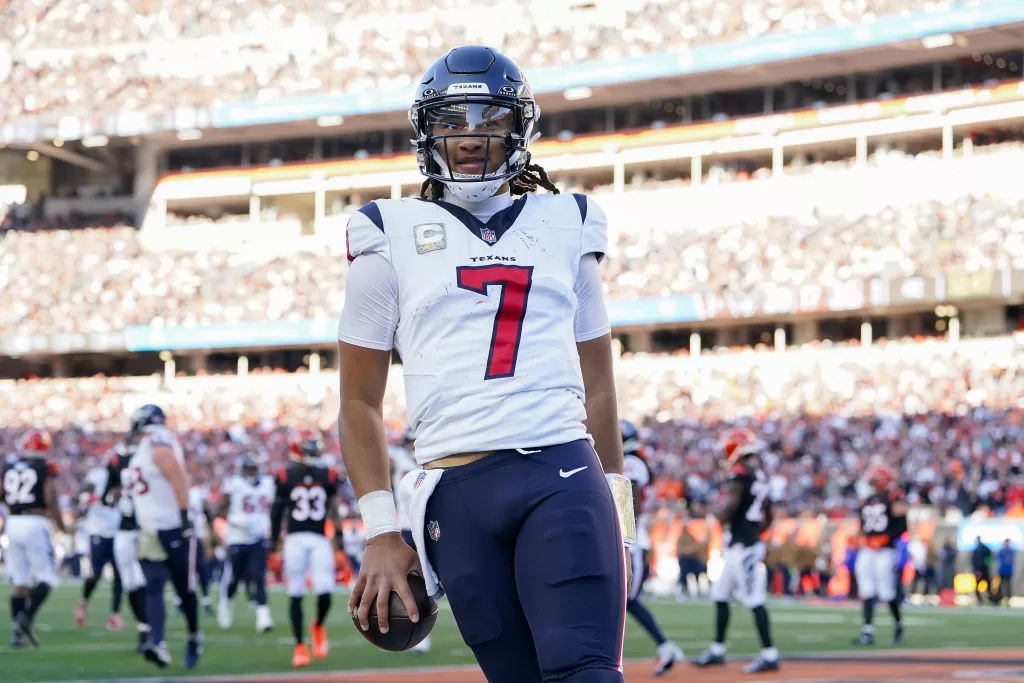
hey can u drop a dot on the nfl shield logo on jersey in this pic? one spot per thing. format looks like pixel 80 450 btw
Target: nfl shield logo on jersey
pixel 434 529
pixel 488 235
pixel 420 478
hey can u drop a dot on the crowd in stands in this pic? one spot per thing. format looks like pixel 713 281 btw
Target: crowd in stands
pixel 947 418
pixel 112 57
pixel 828 225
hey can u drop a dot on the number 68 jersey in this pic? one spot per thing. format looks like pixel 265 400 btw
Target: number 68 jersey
pixel 485 317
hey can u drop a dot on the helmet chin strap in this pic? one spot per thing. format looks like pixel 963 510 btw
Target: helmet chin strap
pixel 472 190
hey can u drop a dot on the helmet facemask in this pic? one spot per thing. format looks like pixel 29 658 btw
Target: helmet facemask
pixel 472 144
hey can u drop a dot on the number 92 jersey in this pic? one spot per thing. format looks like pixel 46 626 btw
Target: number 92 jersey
pixel 24 484
pixel 305 492
pixel 485 317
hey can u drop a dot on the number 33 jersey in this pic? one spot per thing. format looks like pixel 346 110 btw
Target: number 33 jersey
pixel 486 314
pixel 305 493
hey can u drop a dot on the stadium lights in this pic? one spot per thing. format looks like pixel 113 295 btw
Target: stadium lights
pixel 190 134
pixel 328 121
pixel 95 141
pixel 573 94
pixel 57 142
pixel 937 41
pixel 32 155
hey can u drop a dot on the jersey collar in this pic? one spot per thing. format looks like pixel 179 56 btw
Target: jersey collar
pixel 497 225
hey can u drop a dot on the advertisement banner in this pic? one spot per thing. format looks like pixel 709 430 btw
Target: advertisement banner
pixel 242 335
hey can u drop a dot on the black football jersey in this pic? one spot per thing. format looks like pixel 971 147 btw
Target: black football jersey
pixel 304 493
pixel 119 475
pixel 24 483
pixel 879 526
pixel 747 522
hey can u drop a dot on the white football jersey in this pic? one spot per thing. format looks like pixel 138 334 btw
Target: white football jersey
pixel 486 313
pixel 100 520
pixel 156 507
pixel 197 499
pixel 249 511
pixel 403 462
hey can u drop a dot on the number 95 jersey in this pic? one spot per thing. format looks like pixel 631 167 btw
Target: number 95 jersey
pixel 486 317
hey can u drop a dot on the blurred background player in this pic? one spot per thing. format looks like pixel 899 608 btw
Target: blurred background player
pixel 745 514
pixel 402 462
pixel 635 467
pixel 126 555
pixel 29 490
pixel 202 522
pixel 245 504
pixel 167 542
pixel 102 519
pixel 883 519
pixel 306 494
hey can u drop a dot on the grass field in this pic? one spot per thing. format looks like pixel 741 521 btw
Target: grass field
pixel 93 653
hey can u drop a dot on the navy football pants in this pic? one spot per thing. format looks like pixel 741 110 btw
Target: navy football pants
pixel 533 565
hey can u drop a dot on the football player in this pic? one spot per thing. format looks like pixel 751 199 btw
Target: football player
pixel 202 522
pixel 306 495
pixel 883 518
pixel 28 488
pixel 492 296
pixel 635 467
pixel 167 542
pixel 745 514
pixel 102 520
pixel 126 556
pixel 245 505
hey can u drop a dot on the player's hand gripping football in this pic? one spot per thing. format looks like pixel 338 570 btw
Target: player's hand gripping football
pixel 386 566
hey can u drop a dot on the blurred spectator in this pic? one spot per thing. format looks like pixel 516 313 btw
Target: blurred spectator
pixel 1005 561
pixel 981 556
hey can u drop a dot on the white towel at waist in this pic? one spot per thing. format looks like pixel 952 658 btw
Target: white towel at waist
pixel 415 490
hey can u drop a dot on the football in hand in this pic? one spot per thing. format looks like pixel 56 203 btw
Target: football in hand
pixel 402 633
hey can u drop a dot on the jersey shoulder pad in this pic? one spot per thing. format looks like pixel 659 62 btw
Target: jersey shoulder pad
pixel 897 495
pixel 595 226
pixel 739 472
pixel 365 233
pixel 159 435
pixel 52 467
pixel 332 475
pixel 281 475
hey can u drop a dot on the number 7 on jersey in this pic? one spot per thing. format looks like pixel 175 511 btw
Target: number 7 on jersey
pixel 515 284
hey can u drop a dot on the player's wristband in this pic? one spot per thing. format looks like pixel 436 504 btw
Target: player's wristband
pixel 377 509
pixel 622 494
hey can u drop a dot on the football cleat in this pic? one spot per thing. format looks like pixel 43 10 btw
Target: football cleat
pixel 158 654
pixel 263 621
pixel 864 639
pixel 320 645
pixel 23 628
pixel 761 664
pixel 193 652
pixel 115 622
pixel 17 640
pixel 668 655
pixel 708 658
pixel 301 656
pixel 423 646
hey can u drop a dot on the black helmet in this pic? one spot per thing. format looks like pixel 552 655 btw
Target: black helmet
pixel 145 416
pixel 479 93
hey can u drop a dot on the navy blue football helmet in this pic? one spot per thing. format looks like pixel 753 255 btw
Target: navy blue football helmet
pixel 630 437
pixel 143 417
pixel 473 92
pixel 249 469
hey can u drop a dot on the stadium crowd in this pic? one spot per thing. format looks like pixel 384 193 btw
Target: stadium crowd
pixel 795 230
pixel 948 419
pixel 103 56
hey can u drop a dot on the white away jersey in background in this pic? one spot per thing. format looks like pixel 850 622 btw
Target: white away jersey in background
pixel 155 505
pixel 101 520
pixel 249 510
pixel 486 313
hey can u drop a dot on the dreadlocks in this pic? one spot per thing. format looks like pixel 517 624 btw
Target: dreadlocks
pixel 532 177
